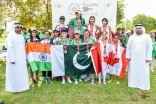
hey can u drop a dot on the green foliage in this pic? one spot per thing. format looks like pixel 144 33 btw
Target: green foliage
pixel 148 22
pixel 127 24
pixel 38 13
pixel 120 11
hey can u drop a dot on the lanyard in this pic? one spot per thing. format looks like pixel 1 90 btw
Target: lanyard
pixel 61 28
pixel 116 47
pixel 56 42
pixel 78 24
pixel 87 45
pixel 78 46
pixel 45 45
pixel 91 29
pixel 104 43
pixel 34 42
pixel 64 44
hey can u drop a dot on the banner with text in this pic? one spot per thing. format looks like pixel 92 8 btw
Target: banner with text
pixel 97 8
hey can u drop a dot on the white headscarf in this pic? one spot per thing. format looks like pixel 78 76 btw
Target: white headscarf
pixel 143 29
pixel 15 25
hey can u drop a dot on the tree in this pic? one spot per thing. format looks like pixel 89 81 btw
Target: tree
pixel 38 13
pixel 147 21
pixel 120 11
pixel 127 24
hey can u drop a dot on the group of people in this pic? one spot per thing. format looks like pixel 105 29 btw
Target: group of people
pixel 139 50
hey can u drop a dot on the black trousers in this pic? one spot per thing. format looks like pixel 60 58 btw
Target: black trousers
pixel 46 72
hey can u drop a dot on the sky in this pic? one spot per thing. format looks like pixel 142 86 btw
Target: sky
pixel 134 7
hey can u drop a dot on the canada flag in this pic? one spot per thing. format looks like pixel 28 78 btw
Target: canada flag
pixel 112 61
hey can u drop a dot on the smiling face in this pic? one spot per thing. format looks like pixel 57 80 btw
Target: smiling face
pixel 116 38
pixel 152 35
pixel 46 35
pixel 56 33
pixel 62 20
pixel 77 35
pixel 92 20
pixel 86 34
pixel 104 22
pixel 77 15
pixel 34 33
pixel 64 34
pixel 104 35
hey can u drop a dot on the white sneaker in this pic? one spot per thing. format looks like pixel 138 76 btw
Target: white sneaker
pixel 92 82
pixel 68 79
pixel 80 80
pixel 76 82
pixel 86 79
pixel 63 81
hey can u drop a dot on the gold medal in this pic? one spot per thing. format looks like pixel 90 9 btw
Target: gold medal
pixel 65 51
pixel 34 50
pixel 87 50
pixel 78 53
pixel 45 51
pixel 104 52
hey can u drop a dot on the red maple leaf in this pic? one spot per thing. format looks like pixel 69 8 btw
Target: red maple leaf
pixel 110 60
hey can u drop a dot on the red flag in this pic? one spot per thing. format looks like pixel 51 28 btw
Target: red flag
pixel 124 64
pixel 96 57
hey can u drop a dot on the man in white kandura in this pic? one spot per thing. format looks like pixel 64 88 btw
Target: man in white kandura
pixel 16 69
pixel 139 53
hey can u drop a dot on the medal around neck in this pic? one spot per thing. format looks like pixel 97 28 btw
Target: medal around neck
pixel 87 50
pixel 45 51
pixel 65 51
pixel 78 53
pixel 34 50
pixel 104 52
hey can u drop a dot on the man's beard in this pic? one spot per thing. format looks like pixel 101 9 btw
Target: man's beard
pixel 138 32
pixel 18 31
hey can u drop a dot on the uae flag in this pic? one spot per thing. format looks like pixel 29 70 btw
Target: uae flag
pixel 110 62
pixel 71 63
pixel 38 58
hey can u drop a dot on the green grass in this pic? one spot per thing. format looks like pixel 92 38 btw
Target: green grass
pixel 83 93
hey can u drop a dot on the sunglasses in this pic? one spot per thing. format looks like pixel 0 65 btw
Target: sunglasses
pixel 104 34
pixel 19 27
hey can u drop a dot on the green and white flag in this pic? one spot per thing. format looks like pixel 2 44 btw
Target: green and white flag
pixel 71 63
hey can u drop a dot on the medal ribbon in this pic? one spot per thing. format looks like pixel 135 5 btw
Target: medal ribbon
pixel 61 28
pixel 65 45
pixel 116 48
pixel 45 45
pixel 78 24
pixel 104 43
pixel 104 28
pixel 96 34
pixel 34 42
pixel 91 29
pixel 87 44
pixel 78 46
pixel 56 42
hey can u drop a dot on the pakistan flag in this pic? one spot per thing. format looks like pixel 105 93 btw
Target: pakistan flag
pixel 71 63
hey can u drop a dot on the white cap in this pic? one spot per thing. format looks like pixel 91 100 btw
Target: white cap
pixel 33 29
pixel 50 30
pixel 128 31
pixel 77 31
pixel 78 11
